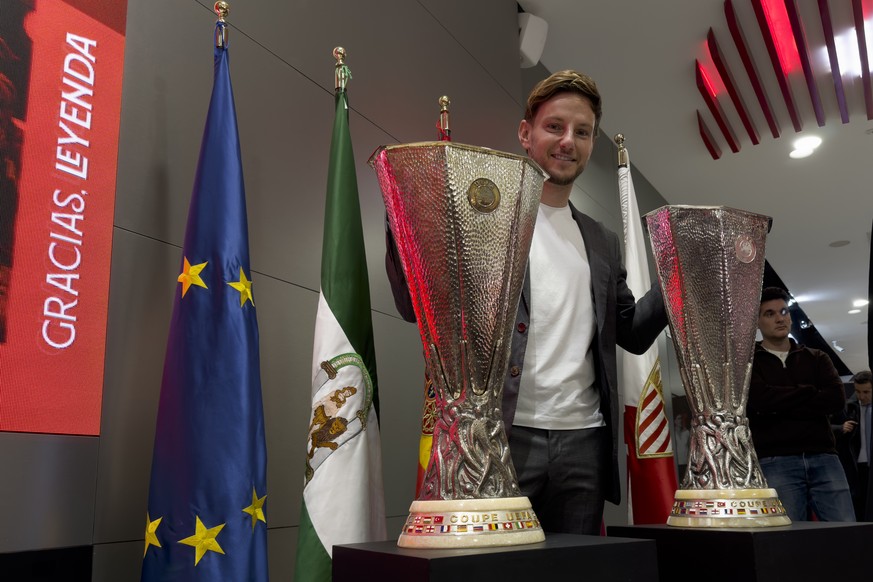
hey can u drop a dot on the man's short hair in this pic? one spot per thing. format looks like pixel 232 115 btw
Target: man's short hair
pixel 865 377
pixel 567 81
pixel 771 293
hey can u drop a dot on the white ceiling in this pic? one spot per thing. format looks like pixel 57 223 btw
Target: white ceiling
pixel 642 56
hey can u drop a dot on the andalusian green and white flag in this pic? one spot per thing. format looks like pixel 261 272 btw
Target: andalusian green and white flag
pixel 343 498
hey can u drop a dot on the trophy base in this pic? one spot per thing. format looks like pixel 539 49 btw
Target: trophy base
pixel 471 523
pixel 727 508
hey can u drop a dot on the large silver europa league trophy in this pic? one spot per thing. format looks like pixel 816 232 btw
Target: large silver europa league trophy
pixel 710 263
pixel 463 218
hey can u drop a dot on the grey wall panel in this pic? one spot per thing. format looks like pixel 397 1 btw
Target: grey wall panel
pixel 395 526
pixel 117 562
pixel 401 393
pixel 402 58
pixel 167 83
pixel 281 552
pixel 596 191
pixel 47 491
pixel 286 320
pixel 488 30
pixel 285 126
pixel 144 275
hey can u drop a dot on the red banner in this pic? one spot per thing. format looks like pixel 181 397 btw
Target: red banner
pixel 61 66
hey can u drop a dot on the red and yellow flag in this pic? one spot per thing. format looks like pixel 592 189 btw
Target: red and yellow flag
pixel 651 472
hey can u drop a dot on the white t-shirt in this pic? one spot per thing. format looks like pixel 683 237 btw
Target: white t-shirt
pixel 557 381
pixel 781 355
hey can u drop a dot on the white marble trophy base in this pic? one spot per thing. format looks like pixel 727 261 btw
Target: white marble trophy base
pixel 471 523
pixel 727 508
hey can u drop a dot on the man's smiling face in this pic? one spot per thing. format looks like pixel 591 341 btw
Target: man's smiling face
pixel 560 137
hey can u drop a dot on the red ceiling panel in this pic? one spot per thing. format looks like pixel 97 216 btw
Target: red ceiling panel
pixel 731 86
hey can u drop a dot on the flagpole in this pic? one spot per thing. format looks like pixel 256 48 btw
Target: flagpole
pixel 651 472
pixel 341 71
pixel 445 130
pixel 428 408
pixel 221 9
pixel 622 151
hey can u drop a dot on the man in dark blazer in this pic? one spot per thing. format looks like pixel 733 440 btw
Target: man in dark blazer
pixel 852 429
pixel 560 398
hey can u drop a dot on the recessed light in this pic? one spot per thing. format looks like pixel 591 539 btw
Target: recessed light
pixel 854 311
pixel 800 153
pixel 859 302
pixel 809 142
pixel 839 243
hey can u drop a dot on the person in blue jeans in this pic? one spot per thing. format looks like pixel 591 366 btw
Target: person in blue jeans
pixel 793 391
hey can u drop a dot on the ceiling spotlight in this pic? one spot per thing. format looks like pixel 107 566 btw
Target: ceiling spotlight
pixel 837 347
pixel 804 146
pixel 807 143
pixel 805 324
pixel 859 302
pixel 800 153
pixel 854 311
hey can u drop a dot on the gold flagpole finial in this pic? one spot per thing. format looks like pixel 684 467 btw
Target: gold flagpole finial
pixel 221 9
pixel 341 72
pixel 444 126
pixel 622 152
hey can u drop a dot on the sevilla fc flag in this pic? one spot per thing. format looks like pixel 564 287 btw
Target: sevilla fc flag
pixel 651 472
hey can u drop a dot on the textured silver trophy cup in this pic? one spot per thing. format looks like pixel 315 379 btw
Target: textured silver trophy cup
pixel 710 263
pixel 463 218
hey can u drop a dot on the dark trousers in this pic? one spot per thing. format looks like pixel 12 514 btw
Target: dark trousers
pixel 563 474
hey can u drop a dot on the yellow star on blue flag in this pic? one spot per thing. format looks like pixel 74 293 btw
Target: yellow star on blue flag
pixel 191 276
pixel 256 509
pixel 204 540
pixel 244 286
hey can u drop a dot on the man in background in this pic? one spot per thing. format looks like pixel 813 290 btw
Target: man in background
pixel 793 391
pixel 853 430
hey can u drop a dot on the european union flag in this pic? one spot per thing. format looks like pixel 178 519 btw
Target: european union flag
pixel 206 515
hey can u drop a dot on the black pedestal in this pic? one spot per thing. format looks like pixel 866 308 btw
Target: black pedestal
pixel 67 564
pixel 800 551
pixel 560 557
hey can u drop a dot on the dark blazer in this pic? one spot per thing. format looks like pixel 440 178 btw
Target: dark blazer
pixel 620 321
pixel 848 447
pixel 848 444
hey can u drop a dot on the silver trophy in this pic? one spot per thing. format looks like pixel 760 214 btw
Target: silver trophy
pixel 463 218
pixel 710 264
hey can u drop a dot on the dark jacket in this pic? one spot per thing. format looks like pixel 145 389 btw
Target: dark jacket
pixel 789 405
pixel 849 445
pixel 620 320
